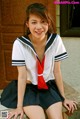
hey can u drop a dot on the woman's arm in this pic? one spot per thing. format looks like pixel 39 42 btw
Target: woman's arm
pixel 58 78
pixel 70 105
pixel 22 79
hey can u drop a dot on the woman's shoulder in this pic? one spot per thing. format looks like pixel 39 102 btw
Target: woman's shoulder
pixel 20 40
pixel 57 37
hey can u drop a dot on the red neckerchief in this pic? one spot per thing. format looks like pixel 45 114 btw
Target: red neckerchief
pixel 40 68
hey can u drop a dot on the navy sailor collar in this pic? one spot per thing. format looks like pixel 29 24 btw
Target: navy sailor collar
pixel 26 41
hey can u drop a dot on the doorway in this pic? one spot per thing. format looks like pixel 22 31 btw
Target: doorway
pixel 12 16
pixel 70 20
pixel 75 16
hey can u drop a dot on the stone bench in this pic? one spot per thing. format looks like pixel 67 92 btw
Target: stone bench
pixel 70 94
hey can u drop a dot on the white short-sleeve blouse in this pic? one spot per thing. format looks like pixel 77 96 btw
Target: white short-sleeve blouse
pixel 24 54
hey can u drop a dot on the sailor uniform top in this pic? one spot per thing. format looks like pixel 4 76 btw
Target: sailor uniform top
pixel 24 54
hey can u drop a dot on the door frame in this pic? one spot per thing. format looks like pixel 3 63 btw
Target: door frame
pixel 65 29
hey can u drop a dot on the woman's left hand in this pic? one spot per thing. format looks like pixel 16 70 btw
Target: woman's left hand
pixel 70 105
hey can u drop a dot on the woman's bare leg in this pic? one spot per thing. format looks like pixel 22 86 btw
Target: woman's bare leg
pixel 55 111
pixel 34 112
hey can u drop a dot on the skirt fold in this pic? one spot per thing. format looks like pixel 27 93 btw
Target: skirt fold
pixel 33 95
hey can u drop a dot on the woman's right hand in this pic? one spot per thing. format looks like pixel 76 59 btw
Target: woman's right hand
pixel 15 113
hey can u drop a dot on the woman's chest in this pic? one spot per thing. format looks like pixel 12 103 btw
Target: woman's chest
pixel 40 50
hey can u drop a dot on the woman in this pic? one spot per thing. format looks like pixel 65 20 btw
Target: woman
pixel 37 57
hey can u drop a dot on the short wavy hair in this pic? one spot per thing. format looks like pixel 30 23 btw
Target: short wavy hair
pixel 40 10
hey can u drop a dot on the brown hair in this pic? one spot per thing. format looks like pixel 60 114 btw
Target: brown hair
pixel 41 11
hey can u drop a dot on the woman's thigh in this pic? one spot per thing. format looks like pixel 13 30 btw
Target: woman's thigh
pixel 55 111
pixel 34 112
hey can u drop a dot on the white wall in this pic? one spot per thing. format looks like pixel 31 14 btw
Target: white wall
pixel 58 18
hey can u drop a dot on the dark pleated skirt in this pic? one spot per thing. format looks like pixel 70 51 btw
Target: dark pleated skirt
pixel 33 95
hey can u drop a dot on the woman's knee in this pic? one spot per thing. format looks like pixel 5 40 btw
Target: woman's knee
pixel 34 112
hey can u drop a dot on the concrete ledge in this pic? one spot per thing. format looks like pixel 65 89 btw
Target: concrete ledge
pixel 72 94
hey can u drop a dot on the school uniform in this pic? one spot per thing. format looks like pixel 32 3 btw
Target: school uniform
pixel 43 90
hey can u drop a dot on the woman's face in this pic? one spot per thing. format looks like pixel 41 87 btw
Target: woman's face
pixel 37 26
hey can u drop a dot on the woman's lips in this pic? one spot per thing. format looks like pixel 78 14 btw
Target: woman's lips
pixel 39 32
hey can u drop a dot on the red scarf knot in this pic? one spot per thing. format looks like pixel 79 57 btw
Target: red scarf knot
pixel 40 68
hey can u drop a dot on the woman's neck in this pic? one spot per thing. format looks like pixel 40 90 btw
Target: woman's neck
pixel 38 40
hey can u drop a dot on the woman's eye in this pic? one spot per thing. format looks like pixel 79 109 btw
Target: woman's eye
pixel 33 22
pixel 43 21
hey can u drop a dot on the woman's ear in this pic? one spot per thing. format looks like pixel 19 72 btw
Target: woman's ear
pixel 27 24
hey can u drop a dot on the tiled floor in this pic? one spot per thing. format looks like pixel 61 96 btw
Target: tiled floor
pixel 71 66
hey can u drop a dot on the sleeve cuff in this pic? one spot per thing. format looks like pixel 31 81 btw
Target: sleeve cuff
pixel 18 62
pixel 61 56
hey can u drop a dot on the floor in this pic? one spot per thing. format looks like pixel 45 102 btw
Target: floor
pixel 71 66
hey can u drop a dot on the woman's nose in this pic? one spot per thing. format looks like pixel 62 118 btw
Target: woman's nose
pixel 39 26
